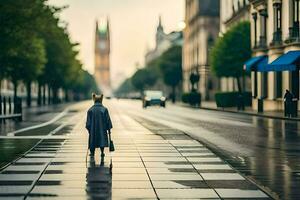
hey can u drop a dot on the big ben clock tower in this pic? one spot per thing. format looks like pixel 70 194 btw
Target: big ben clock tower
pixel 102 52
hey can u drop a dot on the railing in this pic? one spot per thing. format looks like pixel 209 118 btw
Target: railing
pixel 10 109
pixel 294 34
pixel 277 38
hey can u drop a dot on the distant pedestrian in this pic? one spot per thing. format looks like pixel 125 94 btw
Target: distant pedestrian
pixel 288 100
pixel 99 125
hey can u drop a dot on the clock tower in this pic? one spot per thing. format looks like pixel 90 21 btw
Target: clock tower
pixel 102 53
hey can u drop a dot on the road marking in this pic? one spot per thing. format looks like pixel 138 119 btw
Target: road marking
pixel 59 116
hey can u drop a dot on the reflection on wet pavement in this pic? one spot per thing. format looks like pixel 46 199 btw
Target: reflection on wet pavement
pixel 266 150
pixel 145 166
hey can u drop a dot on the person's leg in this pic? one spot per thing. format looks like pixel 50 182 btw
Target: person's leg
pixel 102 156
pixel 92 151
pixel 102 152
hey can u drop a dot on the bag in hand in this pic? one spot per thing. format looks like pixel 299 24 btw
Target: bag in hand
pixel 111 145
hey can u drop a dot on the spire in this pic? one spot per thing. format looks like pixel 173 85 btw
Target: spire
pixel 107 25
pixel 159 24
pixel 96 24
pixel 160 27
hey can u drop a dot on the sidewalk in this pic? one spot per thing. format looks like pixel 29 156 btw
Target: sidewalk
pixel 209 105
pixel 145 166
pixel 33 116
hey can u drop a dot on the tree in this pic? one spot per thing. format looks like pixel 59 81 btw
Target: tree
pixel 171 67
pixel 230 52
pixel 125 88
pixel 33 64
pixel 143 78
pixel 20 44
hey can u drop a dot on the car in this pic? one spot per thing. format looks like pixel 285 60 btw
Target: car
pixel 154 97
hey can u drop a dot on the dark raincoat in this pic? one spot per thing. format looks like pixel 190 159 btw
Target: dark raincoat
pixel 98 123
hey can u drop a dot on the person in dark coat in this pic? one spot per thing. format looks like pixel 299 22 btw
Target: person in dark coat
pixel 288 100
pixel 99 125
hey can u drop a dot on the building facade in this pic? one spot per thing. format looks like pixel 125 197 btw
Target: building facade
pixel 275 41
pixel 202 18
pixel 102 57
pixel 163 42
pixel 231 13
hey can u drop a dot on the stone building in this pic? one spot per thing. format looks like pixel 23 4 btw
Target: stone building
pixel 163 42
pixel 231 13
pixel 202 19
pixel 102 57
pixel 276 52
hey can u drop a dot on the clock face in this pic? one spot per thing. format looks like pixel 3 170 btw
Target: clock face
pixel 102 45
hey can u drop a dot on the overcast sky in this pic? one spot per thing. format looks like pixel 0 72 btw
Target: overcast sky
pixel 133 25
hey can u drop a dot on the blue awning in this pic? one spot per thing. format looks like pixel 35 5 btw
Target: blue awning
pixel 256 63
pixel 286 62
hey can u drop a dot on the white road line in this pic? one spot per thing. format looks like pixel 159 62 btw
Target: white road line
pixel 59 116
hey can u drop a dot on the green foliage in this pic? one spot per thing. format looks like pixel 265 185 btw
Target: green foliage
pixel 230 99
pixel 231 51
pixel 125 88
pixel 143 78
pixel 85 84
pixel 35 46
pixel 170 66
pixel 192 98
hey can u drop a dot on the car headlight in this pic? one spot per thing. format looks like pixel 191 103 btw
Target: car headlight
pixel 162 98
pixel 148 99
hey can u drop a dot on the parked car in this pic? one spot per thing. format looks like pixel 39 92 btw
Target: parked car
pixel 153 97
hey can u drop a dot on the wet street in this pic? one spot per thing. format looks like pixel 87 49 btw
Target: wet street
pixel 161 153
pixel 265 150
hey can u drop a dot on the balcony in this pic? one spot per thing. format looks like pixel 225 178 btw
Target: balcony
pixel 261 44
pixel 277 38
pixel 294 34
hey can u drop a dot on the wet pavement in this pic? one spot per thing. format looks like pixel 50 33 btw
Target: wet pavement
pixel 263 149
pixel 146 165
pixel 34 116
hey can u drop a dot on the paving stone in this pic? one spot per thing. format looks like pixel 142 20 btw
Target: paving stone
pixel 203 160
pixel 14 190
pixel 133 194
pixel 130 177
pixel 170 170
pixel 175 176
pixel 131 185
pixel 34 160
pixel 198 154
pixel 165 159
pixel 237 193
pixel 186 193
pixel 237 184
pixel 179 184
pixel 165 165
pixel 222 176
pixel 14 183
pixel 18 177
pixel 212 166
pixel 128 164
pixel 128 170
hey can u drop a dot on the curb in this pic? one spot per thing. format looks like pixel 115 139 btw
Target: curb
pixel 252 114
pixel 243 113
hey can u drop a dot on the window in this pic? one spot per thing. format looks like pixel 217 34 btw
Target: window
pixel 278 84
pixel 254 16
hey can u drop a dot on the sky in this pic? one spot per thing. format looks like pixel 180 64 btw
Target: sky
pixel 132 23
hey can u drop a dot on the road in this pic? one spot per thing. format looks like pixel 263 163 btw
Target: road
pixel 265 150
